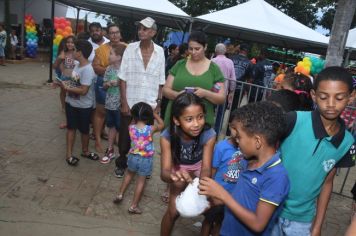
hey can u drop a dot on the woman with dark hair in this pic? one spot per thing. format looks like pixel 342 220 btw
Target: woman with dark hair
pixel 198 75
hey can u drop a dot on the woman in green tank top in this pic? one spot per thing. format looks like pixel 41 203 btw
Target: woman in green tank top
pixel 200 74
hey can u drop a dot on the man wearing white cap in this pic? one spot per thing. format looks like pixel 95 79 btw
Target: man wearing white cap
pixel 142 76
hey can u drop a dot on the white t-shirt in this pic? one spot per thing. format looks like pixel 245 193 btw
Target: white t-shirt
pixel 84 75
pixel 95 46
pixel 14 40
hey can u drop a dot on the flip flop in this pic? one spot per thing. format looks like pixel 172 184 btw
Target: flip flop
pixel 118 199
pixel 72 161
pixel 134 210
pixel 91 155
pixel 63 126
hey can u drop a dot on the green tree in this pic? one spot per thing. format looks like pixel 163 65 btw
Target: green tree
pixel 327 19
pixel 200 7
pixel 128 32
pixel 303 11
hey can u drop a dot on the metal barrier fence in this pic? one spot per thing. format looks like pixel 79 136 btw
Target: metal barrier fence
pixel 247 92
pixel 244 93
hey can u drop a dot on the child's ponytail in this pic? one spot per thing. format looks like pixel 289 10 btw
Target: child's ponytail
pixel 142 112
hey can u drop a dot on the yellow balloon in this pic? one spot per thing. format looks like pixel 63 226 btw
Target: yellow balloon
pixel 59 37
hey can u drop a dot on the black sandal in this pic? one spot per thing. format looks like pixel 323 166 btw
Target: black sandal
pixel 91 155
pixel 72 161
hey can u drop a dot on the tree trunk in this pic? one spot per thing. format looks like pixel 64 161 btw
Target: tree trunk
pixel 345 11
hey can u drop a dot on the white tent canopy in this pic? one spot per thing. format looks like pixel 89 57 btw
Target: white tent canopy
pixel 91 16
pixel 164 12
pixel 258 21
pixel 351 39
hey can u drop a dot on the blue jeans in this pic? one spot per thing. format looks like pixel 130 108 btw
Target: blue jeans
pixel 100 92
pixel 141 165
pixel 112 119
pixel 285 227
pixel 219 118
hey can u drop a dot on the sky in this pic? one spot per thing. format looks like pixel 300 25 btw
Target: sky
pixel 322 30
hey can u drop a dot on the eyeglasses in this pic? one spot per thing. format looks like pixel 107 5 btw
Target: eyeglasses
pixel 114 33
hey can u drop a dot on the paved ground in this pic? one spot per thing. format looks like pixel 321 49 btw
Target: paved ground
pixel 41 195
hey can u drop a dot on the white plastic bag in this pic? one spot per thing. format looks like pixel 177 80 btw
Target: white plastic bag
pixel 190 203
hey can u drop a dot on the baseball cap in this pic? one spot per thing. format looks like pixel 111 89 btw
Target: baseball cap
pixel 148 22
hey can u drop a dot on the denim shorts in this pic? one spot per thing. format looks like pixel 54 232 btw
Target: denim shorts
pixel 100 93
pixel 58 72
pixel 291 228
pixel 141 165
pixel 112 119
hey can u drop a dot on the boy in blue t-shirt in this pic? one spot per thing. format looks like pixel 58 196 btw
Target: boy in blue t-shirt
pixel 316 142
pixel 263 184
pixel 226 170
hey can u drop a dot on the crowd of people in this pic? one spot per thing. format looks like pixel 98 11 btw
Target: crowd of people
pixel 272 176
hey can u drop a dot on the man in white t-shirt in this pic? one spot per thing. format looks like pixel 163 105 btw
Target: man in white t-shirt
pixel 142 76
pixel 96 38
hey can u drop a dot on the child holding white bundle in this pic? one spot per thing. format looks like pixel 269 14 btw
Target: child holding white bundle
pixel 187 147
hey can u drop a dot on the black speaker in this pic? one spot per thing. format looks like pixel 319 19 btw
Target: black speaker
pixel 47 23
